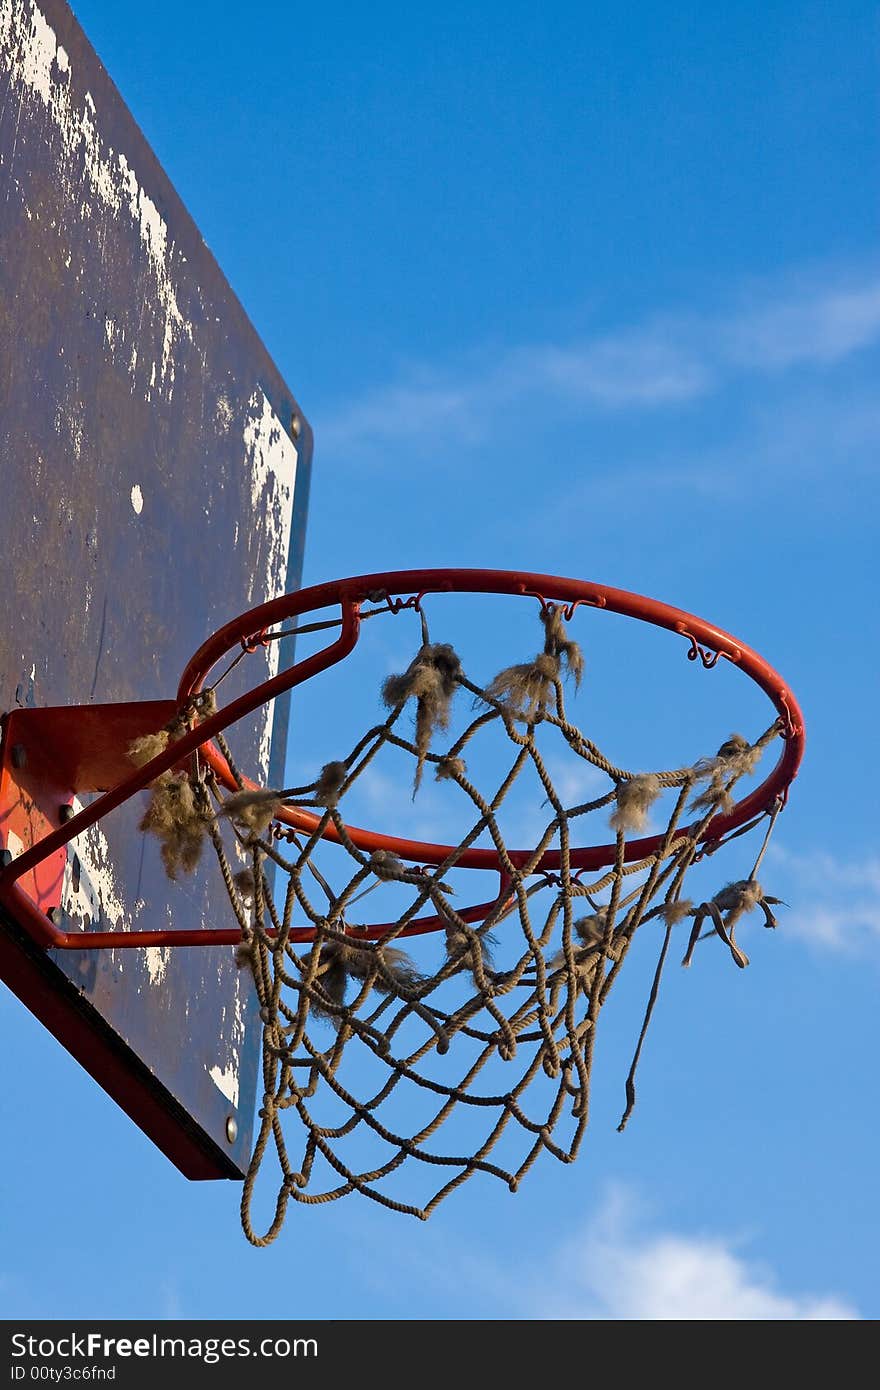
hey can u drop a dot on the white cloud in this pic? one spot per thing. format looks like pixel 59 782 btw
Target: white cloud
pixel 528 813
pixel 835 904
pixel 384 800
pixel 614 1270
pixel 665 361
pixel 817 328
pixel 645 367
pixel 618 1267
pixel 406 410
pixel 817 431
pixel 848 929
pixel 823 868
pixel 170 1301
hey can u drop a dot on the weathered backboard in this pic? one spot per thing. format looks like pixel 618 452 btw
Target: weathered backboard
pixel 154 471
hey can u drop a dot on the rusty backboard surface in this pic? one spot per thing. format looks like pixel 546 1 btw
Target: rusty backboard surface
pixel 154 470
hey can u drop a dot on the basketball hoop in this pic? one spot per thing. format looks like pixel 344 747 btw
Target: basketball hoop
pixel 509 992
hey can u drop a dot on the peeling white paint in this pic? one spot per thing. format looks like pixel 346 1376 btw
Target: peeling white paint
pixel 13 844
pixel 38 53
pixel 69 425
pixel 41 68
pixel 231 1035
pixel 271 457
pixel 90 890
pixel 226 1081
pixel 264 732
pixel 157 958
pixel 137 499
pixel 238 1022
pixel 224 414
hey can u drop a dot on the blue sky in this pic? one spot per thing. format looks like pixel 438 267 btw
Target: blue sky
pixel 592 291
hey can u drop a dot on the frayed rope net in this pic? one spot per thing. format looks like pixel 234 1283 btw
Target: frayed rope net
pixel 364 1041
